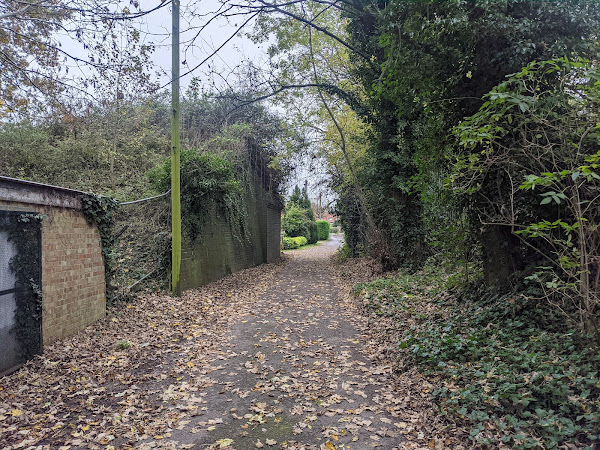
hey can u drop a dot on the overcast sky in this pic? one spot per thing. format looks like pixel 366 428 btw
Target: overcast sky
pixel 157 27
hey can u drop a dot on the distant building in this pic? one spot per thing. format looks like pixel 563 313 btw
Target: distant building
pixel 331 218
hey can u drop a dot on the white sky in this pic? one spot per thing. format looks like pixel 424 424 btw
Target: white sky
pixel 158 29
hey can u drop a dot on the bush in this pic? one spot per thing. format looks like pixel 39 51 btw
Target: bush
pixel 295 223
pixel 291 243
pixel 323 229
pixel 313 237
pixel 301 240
pixel 299 222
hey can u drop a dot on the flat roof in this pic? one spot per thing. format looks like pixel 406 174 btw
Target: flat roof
pixel 41 185
pixel 29 192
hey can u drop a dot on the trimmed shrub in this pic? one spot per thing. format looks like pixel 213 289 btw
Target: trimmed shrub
pixel 294 242
pixel 289 243
pixel 313 233
pixel 295 223
pixel 323 230
pixel 301 240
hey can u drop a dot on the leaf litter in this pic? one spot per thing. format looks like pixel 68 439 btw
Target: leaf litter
pixel 276 356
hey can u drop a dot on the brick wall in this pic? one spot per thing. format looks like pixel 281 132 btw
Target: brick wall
pixel 73 284
pixel 218 251
pixel 273 233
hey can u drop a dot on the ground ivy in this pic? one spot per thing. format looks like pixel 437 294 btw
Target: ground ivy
pixel 100 210
pixel 508 365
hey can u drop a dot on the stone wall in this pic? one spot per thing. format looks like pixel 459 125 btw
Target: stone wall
pixel 73 283
pixel 219 251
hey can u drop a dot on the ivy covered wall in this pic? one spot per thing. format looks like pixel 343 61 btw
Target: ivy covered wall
pixel 220 250
pixel 72 287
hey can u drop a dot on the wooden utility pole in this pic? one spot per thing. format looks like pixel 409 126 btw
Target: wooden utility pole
pixel 175 155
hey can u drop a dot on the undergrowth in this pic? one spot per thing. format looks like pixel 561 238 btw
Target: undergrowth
pixel 508 367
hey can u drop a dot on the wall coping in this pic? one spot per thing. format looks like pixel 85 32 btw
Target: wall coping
pixel 30 192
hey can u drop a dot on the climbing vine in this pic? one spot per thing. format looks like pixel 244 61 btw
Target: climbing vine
pixel 99 210
pixel 208 182
pixel 25 233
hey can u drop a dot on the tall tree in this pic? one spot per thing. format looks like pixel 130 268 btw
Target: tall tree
pixel 34 63
pixel 435 60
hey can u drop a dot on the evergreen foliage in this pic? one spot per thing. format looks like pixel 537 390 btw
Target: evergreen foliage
pixel 296 222
pixel 299 218
pixel 99 210
pixel 506 365
pixel 433 63
pixel 24 232
pixel 207 182
pixel 292 243
pixel 323 229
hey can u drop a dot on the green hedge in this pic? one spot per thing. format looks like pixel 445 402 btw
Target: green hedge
pixel 323 230
pixel 313 237
pixel 294 242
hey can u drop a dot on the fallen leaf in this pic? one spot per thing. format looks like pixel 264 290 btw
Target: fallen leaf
pixel 224 442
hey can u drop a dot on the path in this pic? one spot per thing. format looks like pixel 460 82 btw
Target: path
pixel 290 371
pixel 268 358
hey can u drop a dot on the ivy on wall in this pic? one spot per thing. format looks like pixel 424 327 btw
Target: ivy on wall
pixel 25 233
pixel 207 182
pixel 99 210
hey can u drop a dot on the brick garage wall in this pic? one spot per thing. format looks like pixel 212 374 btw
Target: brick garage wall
pixel 218 252
pixel 73 284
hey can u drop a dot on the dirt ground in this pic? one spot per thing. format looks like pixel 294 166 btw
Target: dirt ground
pixel 277 356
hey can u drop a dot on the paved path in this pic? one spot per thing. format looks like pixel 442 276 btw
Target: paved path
pixel 291 372
pixel 271 357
